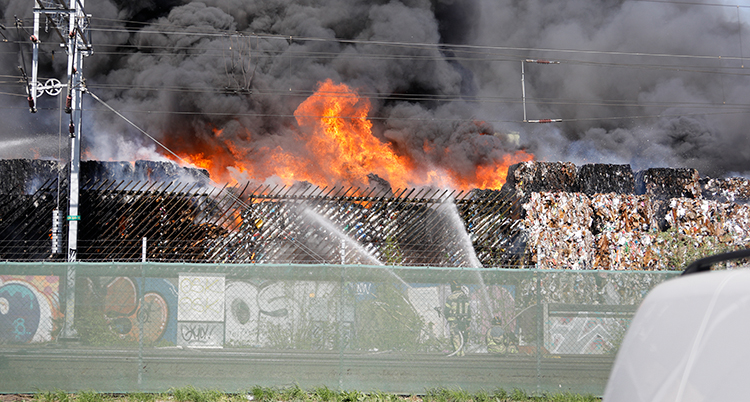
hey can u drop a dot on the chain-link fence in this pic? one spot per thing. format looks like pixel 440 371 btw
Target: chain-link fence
pixel 153 326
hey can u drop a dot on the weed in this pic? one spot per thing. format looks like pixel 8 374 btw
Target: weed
pixel 570 397
pixel 264 394
pixel 192 394
pixel 382 397
pixel 54 396
pixel 320 394
pixel 351 396
pixel 325 394
pixel 141 397
pixel 90 396
pixel 518 395
pixel 294 393
pixel 447 395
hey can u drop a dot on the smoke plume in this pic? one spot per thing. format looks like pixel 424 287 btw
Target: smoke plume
pixel 649 84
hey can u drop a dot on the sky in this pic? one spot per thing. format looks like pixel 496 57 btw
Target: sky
pixel 645 83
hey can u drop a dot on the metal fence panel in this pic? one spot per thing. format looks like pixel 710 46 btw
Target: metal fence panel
pixel 153 326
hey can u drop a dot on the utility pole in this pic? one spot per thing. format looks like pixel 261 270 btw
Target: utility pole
pixel 71 23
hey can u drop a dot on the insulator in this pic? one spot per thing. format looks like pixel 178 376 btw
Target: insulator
pixel 32 108
pixel 68 104
pixel 72 129
pixel 33 38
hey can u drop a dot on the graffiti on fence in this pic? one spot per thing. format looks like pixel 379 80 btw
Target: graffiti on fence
pixel 581 334
pixel 29 308
pixel 201 298
pixel 275 313
pixel 124 310
pixel 200 334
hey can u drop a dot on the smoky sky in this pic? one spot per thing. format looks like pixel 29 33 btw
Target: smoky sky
pixel 643 83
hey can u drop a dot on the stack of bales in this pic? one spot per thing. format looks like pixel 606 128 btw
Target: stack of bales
pixel 607 217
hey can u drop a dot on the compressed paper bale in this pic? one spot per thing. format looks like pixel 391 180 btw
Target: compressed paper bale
pixel 605 178
pixel 25 176
pixel 562 248
pixel 734 189
pixel 617 250
pixel 668 183
pixel 167 171
pixel 622 212
pixel 530 177
pixel 698 217
pixel 558 210
pixel 98 171
pixel 737 225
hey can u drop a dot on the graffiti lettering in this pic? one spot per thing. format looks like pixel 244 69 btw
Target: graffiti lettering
pixel 201 285
pixel 200 334
pixel 196 333
pixel 201 298
pixel 201 305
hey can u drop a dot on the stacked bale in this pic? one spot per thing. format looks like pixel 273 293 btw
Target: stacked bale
pixel 728 222
pixel 636 220
pixel 605 178
pixel 665 183
pixel 25 176
pixel 733 189
pixel 533 177
pixel 624 225
pixel 558 229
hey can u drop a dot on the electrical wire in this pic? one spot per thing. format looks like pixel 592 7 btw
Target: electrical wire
pixel 468 53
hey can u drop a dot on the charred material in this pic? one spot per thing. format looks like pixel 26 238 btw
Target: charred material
pixel 733 189
pixel 605 178
pixel 25 176
pixel 665 183
pixel 534 177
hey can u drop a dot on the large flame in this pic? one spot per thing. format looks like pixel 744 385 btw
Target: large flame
pixel 341 142
pixel 339 148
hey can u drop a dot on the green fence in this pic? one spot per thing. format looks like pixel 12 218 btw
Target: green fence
pixel 122 327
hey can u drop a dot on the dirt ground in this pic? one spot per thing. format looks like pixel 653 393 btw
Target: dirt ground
pixel 16 397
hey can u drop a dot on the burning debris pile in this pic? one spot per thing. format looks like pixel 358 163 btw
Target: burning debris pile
pixel 552 214
pixel 605 217
pixel 184 219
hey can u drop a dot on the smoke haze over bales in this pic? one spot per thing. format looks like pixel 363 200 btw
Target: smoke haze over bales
pixel 645 83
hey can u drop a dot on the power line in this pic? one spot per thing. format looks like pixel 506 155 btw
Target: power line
pixel 422 45
pixel 692 3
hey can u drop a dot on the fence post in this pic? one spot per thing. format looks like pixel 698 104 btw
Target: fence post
pixel 339 322
pixel 140 315
pixel 539 331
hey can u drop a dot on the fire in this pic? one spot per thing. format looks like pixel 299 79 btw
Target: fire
pixel 341 141
pixel 337 148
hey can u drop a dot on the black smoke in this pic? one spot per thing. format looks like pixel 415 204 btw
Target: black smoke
pixel 195 74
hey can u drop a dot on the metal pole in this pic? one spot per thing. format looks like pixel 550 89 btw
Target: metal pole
pixel 523 90
pixel 34 63
pixel 75 83
pixel 75 72
pixel 141 317
pixel 539 331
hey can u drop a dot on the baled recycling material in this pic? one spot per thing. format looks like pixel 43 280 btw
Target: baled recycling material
pixel 672 217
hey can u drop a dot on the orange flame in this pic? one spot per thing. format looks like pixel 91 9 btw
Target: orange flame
pixel 339 148
pixel 341 139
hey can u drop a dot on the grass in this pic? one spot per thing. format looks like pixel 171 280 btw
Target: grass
pixel 320 394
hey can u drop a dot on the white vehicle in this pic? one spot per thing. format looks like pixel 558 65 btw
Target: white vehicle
pixel 689 340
